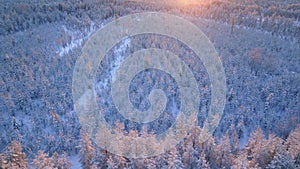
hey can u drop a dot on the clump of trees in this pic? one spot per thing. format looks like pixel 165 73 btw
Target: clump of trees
pixel 281 18
pixel 15 158
pixel 260 152
pixel 261 61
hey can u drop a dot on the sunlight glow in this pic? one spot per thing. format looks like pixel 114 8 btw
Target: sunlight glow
pixel 184 3
pixel 187 2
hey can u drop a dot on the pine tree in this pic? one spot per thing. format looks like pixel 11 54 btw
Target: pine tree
pixel 186 158
pixel 241 161
pixel 55 159
pixel 256 59
pixel 195 131
pixel 86 151
pixel 293 142
pixel 223 153
pixel 173 159
pixel 232 23
pixel 190 148
pixel 100 158
pixel 61 162
pixel 3 161
pixel 257 149
pixel 120 127
pixel 202 162
pixel 150 163
pixel 111 163
pixel 297 160
pixel 234 137
pixel 208 147
pixel 275 144
pixel 14 158
pixel 160 161
pixel 190 155
pixel 120 162
pixel 42 161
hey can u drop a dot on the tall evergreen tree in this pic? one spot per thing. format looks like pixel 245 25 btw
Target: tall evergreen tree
pixel 202 162
pixel 86 151
pixel 257 149
pixel 111 164
pixel 61 162
pixel 173 159
pixel 293 142
pixel 14 157
pixel 223 153
pixel 43 161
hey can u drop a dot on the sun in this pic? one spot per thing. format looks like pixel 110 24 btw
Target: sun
pixel 187 2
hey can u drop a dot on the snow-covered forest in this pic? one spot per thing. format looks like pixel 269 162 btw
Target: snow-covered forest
pixel 257 41
pixel 260 152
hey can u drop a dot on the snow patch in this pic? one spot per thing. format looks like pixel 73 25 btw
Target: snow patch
pixel 78 37
pixel 119 59
pixel 75 162
pixel 70 47
pixel 244 139
pixel 297 23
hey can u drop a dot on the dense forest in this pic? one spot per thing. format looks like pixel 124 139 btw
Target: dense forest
pixel 260 152
pixel 257 42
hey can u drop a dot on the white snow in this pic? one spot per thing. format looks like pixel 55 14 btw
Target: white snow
pixel 244 139
pixel 70 46
pixel 78 37
pixel 75 162
pixel 119 51
pixel 297 23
